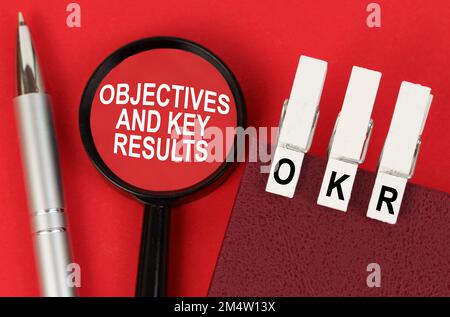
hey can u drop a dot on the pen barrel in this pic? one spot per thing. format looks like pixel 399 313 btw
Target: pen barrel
pixel 45 198
pixel 54 258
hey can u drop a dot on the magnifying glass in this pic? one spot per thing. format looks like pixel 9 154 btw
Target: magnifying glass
pixel 158 119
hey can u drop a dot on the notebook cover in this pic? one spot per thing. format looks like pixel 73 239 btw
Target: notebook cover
pixel 276 246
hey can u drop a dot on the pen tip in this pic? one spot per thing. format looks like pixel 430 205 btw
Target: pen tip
pixel 21 20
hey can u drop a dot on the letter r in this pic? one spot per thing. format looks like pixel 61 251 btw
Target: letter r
pixel 388 200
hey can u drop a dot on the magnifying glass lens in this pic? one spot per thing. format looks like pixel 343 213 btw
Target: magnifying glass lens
pixel 158 118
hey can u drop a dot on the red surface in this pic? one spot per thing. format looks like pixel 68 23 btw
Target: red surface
pixel 261 42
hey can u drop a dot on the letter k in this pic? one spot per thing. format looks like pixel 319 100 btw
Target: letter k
pixel 336 184
pixel 173 122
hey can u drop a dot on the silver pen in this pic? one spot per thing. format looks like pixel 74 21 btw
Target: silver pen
pixel 42 172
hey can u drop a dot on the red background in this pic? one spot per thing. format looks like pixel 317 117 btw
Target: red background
pixel 261 42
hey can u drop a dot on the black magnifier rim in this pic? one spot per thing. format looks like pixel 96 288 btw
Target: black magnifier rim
pixel 109 64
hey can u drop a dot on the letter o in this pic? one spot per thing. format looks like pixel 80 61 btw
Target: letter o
pixel 102 92
pixel 276 174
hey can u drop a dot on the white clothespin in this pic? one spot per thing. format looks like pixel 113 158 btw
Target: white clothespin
pixel 297 125
pixel 351 135
pixel 400 151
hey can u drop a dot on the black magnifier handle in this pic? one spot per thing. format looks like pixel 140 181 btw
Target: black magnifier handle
pixel 152 270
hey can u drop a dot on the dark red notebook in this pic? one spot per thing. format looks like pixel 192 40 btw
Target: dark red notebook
pixel 276 246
